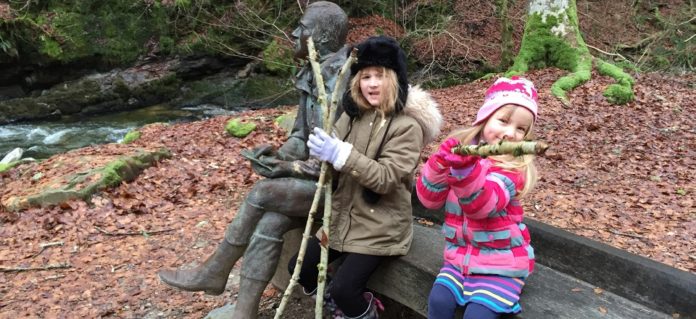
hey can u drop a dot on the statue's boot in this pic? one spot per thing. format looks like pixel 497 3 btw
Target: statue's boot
pixel 250 291
pixel 211 276
pixel 260 262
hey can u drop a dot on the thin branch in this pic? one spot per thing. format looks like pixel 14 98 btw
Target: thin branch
pixel 625 234
pixel 53 277
pixel 317 194
pixel 142 232
pixel 44 246
pixel 326 234
pixel 607 53
pixel 23 269
pixel 513 148
pixel 321 184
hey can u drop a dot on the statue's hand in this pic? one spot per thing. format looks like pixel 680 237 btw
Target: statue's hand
pixel 263 150
pixel 272 167
pixel 310 167
pixel 293 149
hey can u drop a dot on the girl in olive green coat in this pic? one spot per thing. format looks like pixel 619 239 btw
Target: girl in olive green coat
pixel 374 150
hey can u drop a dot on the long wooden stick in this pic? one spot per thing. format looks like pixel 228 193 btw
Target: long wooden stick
pixel 326 234
pixel 320 184
pixel 514 148
pixel 47 267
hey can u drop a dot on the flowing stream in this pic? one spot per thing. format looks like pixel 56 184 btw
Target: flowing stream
pixel 43 139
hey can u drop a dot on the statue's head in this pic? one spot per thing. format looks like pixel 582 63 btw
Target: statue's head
pixel 326 23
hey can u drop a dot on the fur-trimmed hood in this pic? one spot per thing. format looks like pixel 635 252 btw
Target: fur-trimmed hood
pixel 425 110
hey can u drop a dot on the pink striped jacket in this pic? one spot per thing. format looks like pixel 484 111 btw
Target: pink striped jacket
pixel 483 226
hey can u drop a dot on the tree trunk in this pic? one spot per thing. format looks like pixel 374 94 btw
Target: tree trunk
pixel 552 37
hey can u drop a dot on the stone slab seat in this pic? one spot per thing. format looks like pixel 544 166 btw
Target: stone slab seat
pixel 568 270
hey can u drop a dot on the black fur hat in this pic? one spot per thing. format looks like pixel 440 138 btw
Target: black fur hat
pixel 380 51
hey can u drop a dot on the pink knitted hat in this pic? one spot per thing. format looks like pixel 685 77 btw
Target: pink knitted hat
pixel 515 90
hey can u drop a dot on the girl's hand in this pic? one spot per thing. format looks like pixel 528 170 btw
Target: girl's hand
pixel 328 148
pixel 446 150
pixel 438 160
pixel 457 161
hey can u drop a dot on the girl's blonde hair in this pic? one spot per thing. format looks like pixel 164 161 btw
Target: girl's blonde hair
pixel 524 164
pixel 390 92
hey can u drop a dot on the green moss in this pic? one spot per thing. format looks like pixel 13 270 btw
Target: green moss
pixel 111 175
pixel 6 166
pixel 541 48
pixel 620 92
pixel 131 137
pixel 238 129
pixel 286 121
pixel 278 59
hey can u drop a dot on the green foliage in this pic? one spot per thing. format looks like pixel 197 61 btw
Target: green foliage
pixel 131 137
pixel 50 47
pixel 278 59
pixel 68 31
pixel 236 128
pixel 360 8
pixel 7 47
pixel 167 44
pixel 182 3
pixel 627 65
pixel 427 15
pixel 673 45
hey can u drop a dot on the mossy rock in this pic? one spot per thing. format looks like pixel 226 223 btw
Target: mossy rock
pixel 131 137
pixel 237 128
pixel 286 121
pixel 78 176
pixel 6 166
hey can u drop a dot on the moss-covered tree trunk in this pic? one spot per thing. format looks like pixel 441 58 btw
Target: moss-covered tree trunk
pixel 552 37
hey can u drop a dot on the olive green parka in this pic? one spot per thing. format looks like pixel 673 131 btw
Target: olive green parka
pixel 383 228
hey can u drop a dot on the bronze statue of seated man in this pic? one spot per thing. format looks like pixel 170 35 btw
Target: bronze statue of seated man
pixel 282 200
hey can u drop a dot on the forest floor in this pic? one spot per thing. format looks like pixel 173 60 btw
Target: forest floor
pixel 621 175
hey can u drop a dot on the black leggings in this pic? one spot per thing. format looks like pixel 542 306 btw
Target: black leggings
pixel 348 283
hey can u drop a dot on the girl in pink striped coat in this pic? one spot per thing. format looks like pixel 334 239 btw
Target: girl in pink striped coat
pixel 487 254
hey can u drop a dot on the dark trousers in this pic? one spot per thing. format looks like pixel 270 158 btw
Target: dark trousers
pixel 348 283
pixel 441 305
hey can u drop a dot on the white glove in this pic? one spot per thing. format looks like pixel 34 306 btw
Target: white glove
pixel 327 148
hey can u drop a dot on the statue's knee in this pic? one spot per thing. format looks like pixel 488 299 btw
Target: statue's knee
pixel 274 225
pixel 253 198
pixel 264 190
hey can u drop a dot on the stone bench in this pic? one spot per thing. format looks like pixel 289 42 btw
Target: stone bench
pixel 569 268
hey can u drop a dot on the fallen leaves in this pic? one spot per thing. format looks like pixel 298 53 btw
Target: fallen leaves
pixel 186 201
